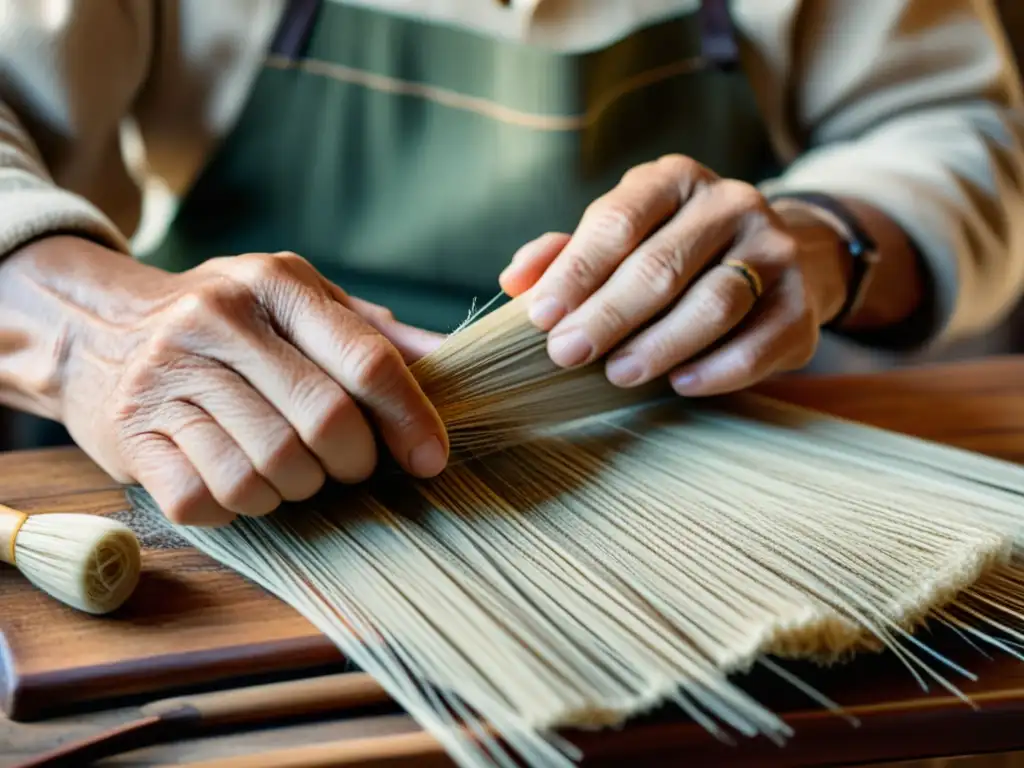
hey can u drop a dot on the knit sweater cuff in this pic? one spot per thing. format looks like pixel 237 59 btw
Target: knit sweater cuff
pixel 36 208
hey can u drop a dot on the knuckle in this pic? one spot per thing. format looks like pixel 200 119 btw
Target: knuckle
pixel 637 173
pixel 243 489
pixel 323 405
pixel 679 165
pixel 262 268
pixel 188 505
pixel 160 369
pixel 615 222
pixel 163 345
pixel 781 248
pixel 741 195
pixel 610 317
pixel 749 362
pixel 288 264
pixel 280 449
pixel 197 305
pixel 720 305
pixel 143 386
pixel 206 303
pixel 661 272
pixel 373 363
pixel 803 321
pixel 268 267
pixel 581 272
pixel 180 418
pixel 326 427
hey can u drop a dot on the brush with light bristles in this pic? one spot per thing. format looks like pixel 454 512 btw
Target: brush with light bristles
pixel 89 562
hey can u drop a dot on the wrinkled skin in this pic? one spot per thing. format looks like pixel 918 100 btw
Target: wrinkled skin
pixel 250 379
pixel 242 383
pixel 641 278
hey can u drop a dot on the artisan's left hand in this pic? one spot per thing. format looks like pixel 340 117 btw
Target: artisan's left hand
pixel 679 272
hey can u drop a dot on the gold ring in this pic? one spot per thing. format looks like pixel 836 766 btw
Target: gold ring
pixel 749 274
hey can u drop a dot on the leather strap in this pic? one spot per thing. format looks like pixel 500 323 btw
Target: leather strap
pixel 294 28
pixel 718 34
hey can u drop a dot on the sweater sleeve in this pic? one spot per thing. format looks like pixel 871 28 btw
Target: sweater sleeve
pixel 68 72
pixel 913 107
pixel 32 205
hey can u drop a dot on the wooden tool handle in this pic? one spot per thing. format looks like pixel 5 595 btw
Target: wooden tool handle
pixel 11 521
pixel 123 738
pixel 316 695
pixel 172 718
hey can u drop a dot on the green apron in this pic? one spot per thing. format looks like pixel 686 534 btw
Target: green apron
pixel 408 161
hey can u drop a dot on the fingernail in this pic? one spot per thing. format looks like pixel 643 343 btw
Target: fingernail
pixel 569 349
pixel 623 371
pixel 545 312
pixel 428 458
pixel 683 382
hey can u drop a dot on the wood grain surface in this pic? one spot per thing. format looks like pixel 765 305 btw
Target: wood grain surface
pixel 191 622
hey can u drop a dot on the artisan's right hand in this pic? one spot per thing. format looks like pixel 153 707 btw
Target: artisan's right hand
pixel 233 386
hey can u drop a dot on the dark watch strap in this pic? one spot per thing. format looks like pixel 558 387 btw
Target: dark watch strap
pixel 860 246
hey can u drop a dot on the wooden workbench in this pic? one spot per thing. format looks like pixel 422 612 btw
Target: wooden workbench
pixel 978 406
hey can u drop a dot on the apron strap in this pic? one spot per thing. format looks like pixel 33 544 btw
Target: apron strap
pixel 718 35
pixel 294 28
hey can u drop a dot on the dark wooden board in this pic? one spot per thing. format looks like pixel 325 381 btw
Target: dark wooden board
pixel 189 622
pixel 192 622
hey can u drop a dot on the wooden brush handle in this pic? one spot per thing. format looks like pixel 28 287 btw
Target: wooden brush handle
pixel 172 718
pixel 316 695
pixel 137 734
pixel 11 521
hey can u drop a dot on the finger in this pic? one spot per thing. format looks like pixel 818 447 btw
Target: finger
pixel 651 278
pixel 269 442
pixel 367 310
pixel 374 373
pixel 326 418
pixel 781 336
pixel 368 367
pixel 713 307
pixel 530 262
pixel 224 468
pixel 245 338
pixel 610 229
pixel 412 342
pixel 160 467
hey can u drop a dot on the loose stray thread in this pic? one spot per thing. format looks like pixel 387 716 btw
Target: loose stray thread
pixel 594 553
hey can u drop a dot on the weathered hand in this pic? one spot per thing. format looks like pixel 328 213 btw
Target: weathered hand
pixel 236 385
pixel 643 277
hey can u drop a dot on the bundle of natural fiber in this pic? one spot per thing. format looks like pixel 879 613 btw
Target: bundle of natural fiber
pixel 592 552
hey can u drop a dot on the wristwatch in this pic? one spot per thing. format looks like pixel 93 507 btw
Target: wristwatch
pixel 861 248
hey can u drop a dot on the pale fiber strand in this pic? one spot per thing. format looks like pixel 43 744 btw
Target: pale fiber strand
pixel 593 552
